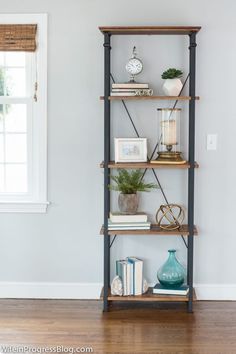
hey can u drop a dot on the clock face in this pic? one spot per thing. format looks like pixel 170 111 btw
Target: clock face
pixel 134 66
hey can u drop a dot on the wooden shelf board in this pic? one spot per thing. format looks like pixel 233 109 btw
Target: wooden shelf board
pixel 144 165
pixel 155 230
pixel 128 30
pixel 135 98
pixel 149 296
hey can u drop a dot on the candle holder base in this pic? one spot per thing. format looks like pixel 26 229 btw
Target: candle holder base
pixel 170 157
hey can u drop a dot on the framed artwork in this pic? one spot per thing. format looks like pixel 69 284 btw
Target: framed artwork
pixel 130 149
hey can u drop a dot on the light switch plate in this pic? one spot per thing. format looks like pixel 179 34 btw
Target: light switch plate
pixel 211 141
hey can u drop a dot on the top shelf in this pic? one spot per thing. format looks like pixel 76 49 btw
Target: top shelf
pixel 129 30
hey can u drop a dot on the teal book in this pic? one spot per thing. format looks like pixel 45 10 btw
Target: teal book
pixel 161 290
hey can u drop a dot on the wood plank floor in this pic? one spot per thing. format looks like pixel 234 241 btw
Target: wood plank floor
pixel 160 330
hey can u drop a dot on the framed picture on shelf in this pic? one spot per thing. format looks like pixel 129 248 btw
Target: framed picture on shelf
pixel 130 149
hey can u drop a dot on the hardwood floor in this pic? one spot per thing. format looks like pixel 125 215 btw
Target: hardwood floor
pixel 160 330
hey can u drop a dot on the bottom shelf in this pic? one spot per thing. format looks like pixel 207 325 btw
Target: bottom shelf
pixel 149 296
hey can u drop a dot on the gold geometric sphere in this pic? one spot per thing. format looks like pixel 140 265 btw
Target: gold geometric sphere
pixel 170 216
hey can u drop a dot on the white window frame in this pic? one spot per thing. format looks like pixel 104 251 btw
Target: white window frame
pixel 37 201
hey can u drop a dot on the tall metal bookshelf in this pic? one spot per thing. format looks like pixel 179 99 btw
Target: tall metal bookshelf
pixel 188 231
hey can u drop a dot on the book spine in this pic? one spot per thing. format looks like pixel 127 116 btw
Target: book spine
pixel 128 220
pixel 124 278
pixel 130 86
pixel 123 94
pixel 129 224
pixel 132 278
pixel 124 90
pixel 119 269
pixel 138 277
pixel 128 265
pixel 118 228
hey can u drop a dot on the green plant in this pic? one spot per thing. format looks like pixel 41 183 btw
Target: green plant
pixel 171 73
pixel 130 182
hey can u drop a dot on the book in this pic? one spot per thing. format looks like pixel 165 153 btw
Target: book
pixel 131 267
pixel 121 271
pixel 117 217
pixel 128 224
pixel 130 85
pixel 120 228
pixel 123 93
pixel 160 289
pixel 137 275
pixel 119 268
pixel 129 276
pixel 124 90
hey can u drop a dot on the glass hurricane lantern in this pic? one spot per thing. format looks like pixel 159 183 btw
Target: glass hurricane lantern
pixel 169 136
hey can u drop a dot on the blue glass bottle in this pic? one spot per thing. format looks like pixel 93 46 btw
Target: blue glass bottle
pixel 172 273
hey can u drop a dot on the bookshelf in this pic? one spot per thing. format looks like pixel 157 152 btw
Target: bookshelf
pixel 189 230
pixel 155 230
pixel 149 296
pixel 144 98
pixel 143 165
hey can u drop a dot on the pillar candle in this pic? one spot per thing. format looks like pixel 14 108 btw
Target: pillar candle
pixel 169 132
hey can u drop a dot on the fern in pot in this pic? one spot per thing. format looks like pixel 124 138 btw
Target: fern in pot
pixel 128 183
pixel 172 85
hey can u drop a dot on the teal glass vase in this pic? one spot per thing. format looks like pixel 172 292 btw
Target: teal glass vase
pixel 172 273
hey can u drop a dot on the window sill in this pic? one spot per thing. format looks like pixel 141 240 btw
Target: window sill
pixel 23 207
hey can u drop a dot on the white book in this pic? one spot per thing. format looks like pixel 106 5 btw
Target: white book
pixel 134 85
pixel 128 224
pixel 131 280
pixel 129 274
pixel 124 277
pixel 119 228
pixel 117 217
pixel 124 90
pixel 123 93
pixel 137 274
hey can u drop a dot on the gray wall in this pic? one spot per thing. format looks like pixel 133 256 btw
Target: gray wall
pixel 63 245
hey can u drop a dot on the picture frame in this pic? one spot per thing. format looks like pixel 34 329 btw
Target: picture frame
pixel 130 150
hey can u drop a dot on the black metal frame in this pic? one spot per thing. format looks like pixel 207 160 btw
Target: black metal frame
pixel 107 116
pixel 191 144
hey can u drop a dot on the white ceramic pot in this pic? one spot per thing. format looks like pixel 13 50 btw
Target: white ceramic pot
pixel 172 87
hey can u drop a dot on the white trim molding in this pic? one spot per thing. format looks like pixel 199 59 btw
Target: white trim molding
pixel 220 292
pixel 88 291
pixel 46 290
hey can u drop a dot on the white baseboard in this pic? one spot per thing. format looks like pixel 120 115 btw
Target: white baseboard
pixel 43 290
pixel 219 292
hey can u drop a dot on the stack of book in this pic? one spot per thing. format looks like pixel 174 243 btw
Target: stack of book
pixel 129 89
pixel 130 271
pixel 120 221
pixel 161 290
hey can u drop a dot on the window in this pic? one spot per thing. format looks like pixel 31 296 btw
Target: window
pixel 23 122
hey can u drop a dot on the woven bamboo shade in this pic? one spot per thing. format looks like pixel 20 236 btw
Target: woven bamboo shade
pixel 18 38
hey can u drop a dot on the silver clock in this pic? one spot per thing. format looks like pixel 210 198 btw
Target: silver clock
pixel 134 66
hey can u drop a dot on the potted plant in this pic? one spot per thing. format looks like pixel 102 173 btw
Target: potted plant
pixel 172 85
pixel 128 184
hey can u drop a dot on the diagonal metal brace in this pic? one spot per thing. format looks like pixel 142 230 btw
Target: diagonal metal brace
pixel 112 241
pixel 153 170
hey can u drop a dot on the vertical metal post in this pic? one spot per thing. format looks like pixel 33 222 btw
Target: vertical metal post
pixel 192 71
pixel 107 70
